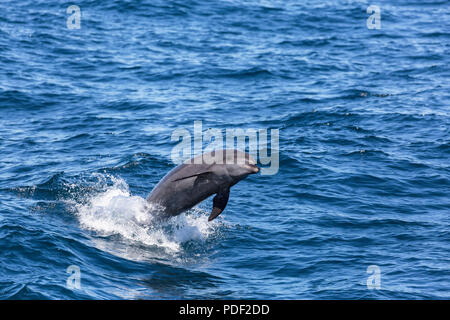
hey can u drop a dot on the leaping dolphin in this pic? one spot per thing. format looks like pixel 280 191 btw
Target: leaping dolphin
pixel 198 178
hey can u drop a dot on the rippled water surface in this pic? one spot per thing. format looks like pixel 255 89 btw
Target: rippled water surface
pixel 86 118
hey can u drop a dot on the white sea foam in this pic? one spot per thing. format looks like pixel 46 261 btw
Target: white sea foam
pixel 116 212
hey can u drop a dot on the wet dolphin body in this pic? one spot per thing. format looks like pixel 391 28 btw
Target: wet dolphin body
pixel 196 179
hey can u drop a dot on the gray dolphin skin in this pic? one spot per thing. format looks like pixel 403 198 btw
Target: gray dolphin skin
pixel 198 178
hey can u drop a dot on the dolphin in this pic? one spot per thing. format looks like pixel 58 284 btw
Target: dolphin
pixel 198 178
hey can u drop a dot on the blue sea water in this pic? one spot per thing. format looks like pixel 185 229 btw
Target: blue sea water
pixel 86 118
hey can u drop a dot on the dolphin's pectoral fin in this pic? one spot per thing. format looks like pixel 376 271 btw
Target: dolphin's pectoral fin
pixel 219 203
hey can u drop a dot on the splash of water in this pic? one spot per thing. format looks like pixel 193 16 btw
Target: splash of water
pixel 114 211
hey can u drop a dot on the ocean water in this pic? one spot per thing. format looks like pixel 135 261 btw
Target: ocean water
pixel 361 197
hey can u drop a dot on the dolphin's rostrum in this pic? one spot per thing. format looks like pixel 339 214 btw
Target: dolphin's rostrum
pixel 198 178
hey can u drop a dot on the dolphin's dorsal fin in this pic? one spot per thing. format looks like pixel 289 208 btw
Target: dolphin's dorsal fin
pixel 219 203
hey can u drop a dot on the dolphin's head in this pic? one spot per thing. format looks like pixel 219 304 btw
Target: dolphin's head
pixel 239 164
